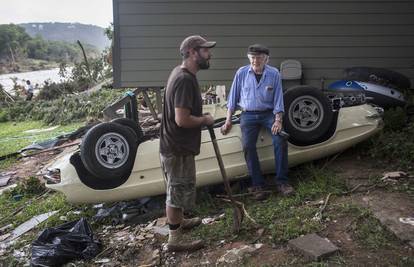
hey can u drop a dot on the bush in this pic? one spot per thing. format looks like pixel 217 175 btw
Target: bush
pixel 52 91
pixel 394 147
pixel 65 109
pixel 3 116
pixel 395 119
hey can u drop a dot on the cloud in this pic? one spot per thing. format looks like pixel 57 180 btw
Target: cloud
pixel 96 12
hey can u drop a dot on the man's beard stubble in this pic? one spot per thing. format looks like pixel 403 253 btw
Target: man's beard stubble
pixel 202 63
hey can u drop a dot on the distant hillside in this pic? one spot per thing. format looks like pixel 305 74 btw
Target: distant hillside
pixel 69 32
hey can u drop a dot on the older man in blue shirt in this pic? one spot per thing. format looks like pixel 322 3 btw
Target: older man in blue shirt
pixel 257 91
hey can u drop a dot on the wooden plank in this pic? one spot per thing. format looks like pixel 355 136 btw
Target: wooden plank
pixel 204 7
pixel 196 2
pixel 149 104
pixel 224 64
pixel 227 75
pixel 181 31
pixel 288 52
pixel 269 19
pixel 291 41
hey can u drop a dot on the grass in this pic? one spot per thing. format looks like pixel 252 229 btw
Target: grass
pixel 35 200
pixel 13 136
pixel 283 218
pixel 32 203
pixel 364 227
pixel 6 163
pixel 286 218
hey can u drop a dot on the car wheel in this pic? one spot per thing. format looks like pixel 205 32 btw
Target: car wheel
pixel 131 125
pixel 379 76
pixel 308 115
pixel 108 150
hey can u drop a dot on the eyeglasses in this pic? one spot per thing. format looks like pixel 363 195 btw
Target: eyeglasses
pixel 257 57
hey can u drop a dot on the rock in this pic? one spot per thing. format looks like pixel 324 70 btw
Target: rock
pixel 210 220
pixel 389 208
pixel 161 221
pixel 161 230
pixel 313 246
pixel 237 255
pixel 394 175
pixel 408 220
pixel 102 261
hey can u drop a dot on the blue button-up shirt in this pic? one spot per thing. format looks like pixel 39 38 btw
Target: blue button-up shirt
pixel 247 94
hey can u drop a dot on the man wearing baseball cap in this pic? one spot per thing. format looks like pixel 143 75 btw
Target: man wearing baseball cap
pixel 257 91
pixel 180 138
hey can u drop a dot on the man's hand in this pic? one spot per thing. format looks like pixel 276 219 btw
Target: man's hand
pixel 276 127
pixel 225 129
pixel 208 119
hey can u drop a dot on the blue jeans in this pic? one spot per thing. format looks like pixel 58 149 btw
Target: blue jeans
pixel 250 124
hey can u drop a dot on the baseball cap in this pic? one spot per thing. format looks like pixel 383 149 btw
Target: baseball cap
pixel 257 49
pixel 195 41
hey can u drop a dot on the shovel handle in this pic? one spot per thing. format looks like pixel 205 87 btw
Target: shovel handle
pixel 211 131
pixel 220 162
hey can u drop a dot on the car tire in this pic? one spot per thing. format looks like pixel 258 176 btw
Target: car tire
pixel 378 76
pixel 308 115
pixel 108 150
pixel 131 125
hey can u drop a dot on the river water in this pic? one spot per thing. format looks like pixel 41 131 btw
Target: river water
pixel 35 77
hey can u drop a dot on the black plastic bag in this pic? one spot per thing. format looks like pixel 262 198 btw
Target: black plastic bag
pixel 56 246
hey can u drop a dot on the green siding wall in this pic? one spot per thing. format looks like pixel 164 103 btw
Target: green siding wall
pixel 326 36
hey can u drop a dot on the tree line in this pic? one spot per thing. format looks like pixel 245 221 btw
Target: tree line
pixel 16 44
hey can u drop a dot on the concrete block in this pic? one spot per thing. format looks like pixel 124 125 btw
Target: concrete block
pixel 313 246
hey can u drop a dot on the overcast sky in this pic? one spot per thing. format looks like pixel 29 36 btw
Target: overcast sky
pixel 96 12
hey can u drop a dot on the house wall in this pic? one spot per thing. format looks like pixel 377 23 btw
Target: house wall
pixel 326 36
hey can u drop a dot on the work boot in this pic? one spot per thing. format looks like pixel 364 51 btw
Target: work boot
pixel 177 242
pixel 257 193
pixel 285 189
pixel 190 223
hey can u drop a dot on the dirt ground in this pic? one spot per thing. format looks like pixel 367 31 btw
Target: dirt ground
pixel 139 246
pixel 337 231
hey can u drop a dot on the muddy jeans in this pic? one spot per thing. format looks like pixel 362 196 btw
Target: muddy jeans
pixel 179 173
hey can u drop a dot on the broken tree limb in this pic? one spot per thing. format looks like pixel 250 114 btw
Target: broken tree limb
pixel 243 194
pixel 88 69
pixel 318 216
pixel 241 206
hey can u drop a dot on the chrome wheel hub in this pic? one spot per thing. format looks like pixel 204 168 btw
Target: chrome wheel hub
pixel 306 113
pixel 112 150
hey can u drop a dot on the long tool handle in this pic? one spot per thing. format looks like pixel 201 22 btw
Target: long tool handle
pixel 220 163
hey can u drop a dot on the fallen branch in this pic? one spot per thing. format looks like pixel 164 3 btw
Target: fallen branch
pixel 241 205
pixel 243 194
pixel 318 215
pixel 369 187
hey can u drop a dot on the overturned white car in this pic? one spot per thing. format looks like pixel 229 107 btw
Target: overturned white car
pixel 115 161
